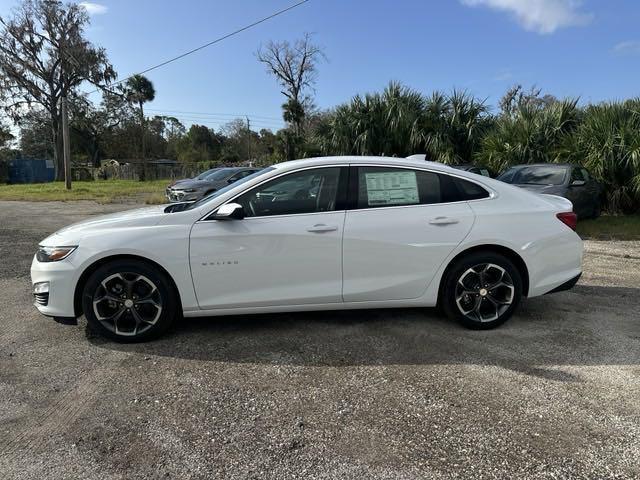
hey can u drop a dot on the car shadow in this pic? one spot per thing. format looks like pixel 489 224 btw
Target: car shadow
pixel 586 326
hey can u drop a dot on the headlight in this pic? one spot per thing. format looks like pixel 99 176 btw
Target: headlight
pixel 189 190
pixel 53 254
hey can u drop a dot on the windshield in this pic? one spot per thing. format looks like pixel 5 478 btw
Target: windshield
pixel 220 174
pixel 204 175
pixel 535 175
pixel 217 193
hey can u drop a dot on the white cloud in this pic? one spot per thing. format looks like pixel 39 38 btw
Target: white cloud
pixel 541 16
pixel 503 76
pixel 630 47
pixel 94 8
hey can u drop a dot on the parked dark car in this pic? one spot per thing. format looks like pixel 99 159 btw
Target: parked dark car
pixel 201 176
pixel 195 189
pixel 475 169
pixel 570 181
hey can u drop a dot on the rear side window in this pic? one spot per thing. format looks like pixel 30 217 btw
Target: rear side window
pixel 470 190
pixel 392 187
pixel 459 190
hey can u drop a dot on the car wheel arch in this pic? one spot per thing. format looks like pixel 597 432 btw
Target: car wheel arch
pixel 77 296
pixel 513 256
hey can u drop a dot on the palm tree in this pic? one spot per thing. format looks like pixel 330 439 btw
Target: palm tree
pixel 530 134
pixel 607 142
pixel 451 127
pixel 139 90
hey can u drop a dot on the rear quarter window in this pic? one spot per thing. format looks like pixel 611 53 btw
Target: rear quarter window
pixel 462 190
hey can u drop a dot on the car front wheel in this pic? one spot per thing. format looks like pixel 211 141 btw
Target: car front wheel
pixel 129 301
pixel 481 290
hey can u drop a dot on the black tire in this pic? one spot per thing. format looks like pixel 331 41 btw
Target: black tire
pixel 456 297
pixel 597 210
pixel 157 306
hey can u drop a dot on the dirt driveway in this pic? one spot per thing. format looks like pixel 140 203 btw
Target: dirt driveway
pixel 554 393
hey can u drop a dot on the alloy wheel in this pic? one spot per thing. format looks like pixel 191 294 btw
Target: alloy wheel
pixel 484 292
pixel 127 303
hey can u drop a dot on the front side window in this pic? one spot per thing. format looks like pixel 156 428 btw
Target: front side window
pixel 390 187
pixel 227 188
pixel 240 175
pixel 308 191
pixel 585 174
pixel 576 175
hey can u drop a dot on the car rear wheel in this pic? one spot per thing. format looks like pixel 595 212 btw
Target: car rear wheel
pixel 481 290
pixel 129 301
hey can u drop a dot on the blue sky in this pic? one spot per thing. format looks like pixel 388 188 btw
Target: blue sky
pixel 587 48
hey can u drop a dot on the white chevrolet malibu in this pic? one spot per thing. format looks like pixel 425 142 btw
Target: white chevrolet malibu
pixel 317 234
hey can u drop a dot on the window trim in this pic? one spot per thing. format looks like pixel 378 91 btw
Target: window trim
pixel 353 187
pixel 342 186
pixel 352 195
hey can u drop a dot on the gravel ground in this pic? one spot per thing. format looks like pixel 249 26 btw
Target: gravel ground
pixel 554 393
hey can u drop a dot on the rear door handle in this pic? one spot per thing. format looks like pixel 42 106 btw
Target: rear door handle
pixel 321 227
pixel 443 221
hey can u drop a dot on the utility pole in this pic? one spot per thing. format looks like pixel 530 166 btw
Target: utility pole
pixel 248 139
pixel 66 145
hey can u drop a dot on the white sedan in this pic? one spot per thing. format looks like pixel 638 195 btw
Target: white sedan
pixel 317 234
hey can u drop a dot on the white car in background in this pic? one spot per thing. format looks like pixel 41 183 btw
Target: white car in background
pixel 316 234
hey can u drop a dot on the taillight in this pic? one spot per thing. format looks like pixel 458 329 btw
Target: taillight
pixel 570 219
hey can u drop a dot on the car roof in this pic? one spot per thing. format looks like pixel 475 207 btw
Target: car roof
pixel 349 159
pixel 236 169
pixel 566 165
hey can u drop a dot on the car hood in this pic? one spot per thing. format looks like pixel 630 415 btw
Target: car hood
pixel 139 217
pixel 551 189
pixel 182 180
pixel 194 184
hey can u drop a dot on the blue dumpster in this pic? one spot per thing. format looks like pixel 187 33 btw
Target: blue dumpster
pixel 30 170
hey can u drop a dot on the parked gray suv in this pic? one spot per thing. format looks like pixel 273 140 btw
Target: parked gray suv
pixel 565 180
pixel 201 186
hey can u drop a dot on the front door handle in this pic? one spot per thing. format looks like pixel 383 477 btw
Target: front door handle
pixel 443 221
pixel 321 227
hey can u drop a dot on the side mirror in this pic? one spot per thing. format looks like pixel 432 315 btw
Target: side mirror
pixel 229 211
pixel 231 180
pixel 578 183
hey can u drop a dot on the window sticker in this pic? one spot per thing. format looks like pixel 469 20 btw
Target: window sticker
pixel 392 188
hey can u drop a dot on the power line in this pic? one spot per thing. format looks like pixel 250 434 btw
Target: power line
pixel 227 120
pixel 213 42
pixel 220 114
pixel 216 118
pixel 219 123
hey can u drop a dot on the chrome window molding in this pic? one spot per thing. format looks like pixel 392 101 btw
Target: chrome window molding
pixel 492 193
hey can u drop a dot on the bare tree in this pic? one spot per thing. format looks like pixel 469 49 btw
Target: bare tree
pixel 295 68
pixel 517 96
pixel 44 57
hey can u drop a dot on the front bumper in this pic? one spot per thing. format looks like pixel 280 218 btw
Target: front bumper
pixel 61 277
pixel 181 196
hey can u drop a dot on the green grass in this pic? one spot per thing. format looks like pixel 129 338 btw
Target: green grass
pixel 101 191
pixel 611 227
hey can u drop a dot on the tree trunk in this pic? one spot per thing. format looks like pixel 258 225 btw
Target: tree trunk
pixel 58 153
pixel 143 163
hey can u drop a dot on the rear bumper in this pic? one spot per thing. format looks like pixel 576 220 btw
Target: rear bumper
pixel 568 285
